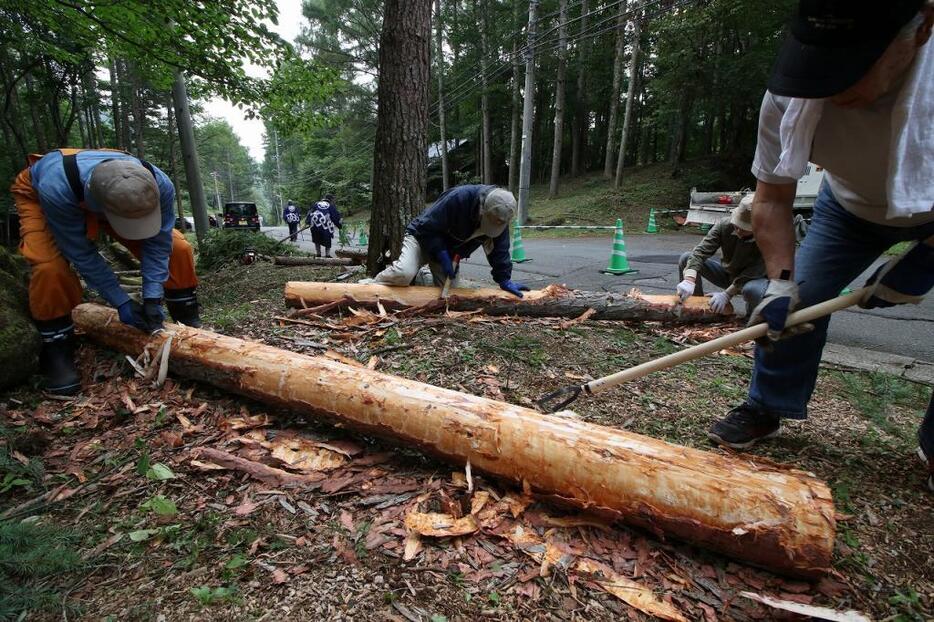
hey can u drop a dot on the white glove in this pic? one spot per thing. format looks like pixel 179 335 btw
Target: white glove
pixel 685 289
pixel 719 301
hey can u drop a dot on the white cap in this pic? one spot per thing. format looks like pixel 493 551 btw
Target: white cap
pixel 742 213
pixel 497 211
pixel 127 192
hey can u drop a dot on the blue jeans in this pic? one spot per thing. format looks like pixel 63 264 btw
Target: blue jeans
pixel 838 247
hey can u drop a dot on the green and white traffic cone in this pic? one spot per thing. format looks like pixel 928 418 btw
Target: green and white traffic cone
pixel 518 250
pixel 652 227
pixel 619 263
pixel 363 240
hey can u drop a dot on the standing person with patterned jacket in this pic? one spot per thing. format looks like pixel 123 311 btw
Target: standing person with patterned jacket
pixel 292 217
pixel 64 199
pixel 324 220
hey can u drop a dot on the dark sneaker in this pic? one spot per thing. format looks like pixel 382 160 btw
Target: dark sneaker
pixel 183 306
pixel 57 357
pixel 743 427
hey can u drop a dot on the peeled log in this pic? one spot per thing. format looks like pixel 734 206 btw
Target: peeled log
pixel 764 514
pixel 312 261
pixel 553 301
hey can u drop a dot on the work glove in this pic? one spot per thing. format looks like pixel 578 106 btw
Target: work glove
pixel 686 289
pixel 131 314
pixel 719 301
pixel 513 288
pixel 153 315
pixel 447 266
pixel 903 279
pixel 780 299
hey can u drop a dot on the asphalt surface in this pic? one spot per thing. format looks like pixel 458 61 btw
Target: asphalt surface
pixel 906 330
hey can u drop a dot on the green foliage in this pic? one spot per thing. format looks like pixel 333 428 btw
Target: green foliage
pixel 159 472
pixel 14 474
pixel 161 506
pixel 225 245
pixel 206 595
pixel 34 560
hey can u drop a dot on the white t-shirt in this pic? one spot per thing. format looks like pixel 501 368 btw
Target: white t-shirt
pixel 852 144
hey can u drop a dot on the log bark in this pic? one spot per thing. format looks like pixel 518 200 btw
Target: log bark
pixel 313 261
pixel 357 255
pixel 762 513
pixel 553 301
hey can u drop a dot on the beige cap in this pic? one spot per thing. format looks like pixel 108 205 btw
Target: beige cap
pixel 497 211
pixel 742 213
pixel 127 192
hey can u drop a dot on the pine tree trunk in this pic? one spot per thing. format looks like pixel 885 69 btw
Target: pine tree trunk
pixel 581 126
pixel 630 93
pixel 514 139
pixel 486 137
pixel 115 102
pixel 173 164
pixel 614 92
pixel 439 68
pixel 125 104
pixel 139 117
pixel 560 80
pixel 528 111
pixel 38 128
pixel 399 167
pixel 82 129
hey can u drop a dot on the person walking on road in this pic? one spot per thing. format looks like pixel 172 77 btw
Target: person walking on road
pixel 852 90
pixel 292 217
pixel 462 220
pixel 64 199
pixel 324 220
pixel 741 268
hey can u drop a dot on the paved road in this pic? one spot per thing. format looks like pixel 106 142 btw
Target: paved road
pixel 906 330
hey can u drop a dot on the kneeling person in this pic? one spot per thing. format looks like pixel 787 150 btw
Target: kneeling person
pixel 64 199
pixel 741 269
pixel 462 220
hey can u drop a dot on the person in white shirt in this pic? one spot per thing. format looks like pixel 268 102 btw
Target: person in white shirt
pixel 852 92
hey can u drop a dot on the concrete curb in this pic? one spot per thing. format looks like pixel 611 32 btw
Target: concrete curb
pixel 862 359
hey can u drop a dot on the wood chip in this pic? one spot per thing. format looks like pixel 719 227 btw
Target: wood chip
pixel 630 592
pixel 821 613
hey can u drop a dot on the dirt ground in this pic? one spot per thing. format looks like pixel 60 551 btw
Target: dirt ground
pixel 170 536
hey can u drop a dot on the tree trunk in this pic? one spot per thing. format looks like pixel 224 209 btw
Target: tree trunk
pixel 439 67
pixel 401 126
pixel 313 261
pixel 139 117
pixel 614 92
pixel 528 102
pixel 553 301
pixel 514 139
pixel 115 102
pixel 358 256
pixel 123 75
pixel 186 139
pixel 630 92
pixel 42 142
pixel 559 98
pixel 82 129
pixel 173 164
pixel 486 136
pixel 761 513
pixel 581 125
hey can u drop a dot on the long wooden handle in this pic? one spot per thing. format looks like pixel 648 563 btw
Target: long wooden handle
pixel 726 341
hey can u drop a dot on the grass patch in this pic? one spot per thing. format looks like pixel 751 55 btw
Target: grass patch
pixel 875 394
pixel 34 558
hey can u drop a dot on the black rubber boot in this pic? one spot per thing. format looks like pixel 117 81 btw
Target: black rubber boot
pixel 57 357
pixel 183 306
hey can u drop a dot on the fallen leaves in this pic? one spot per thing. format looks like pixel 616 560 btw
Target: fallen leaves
pixel 630 592
pixel 440 525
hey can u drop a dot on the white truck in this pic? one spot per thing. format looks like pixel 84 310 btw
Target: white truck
pixel 709 208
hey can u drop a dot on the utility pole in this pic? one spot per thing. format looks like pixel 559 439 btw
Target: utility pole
pixel 229 175
pixel 525 168
pixel 186 137
pixel 275 133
